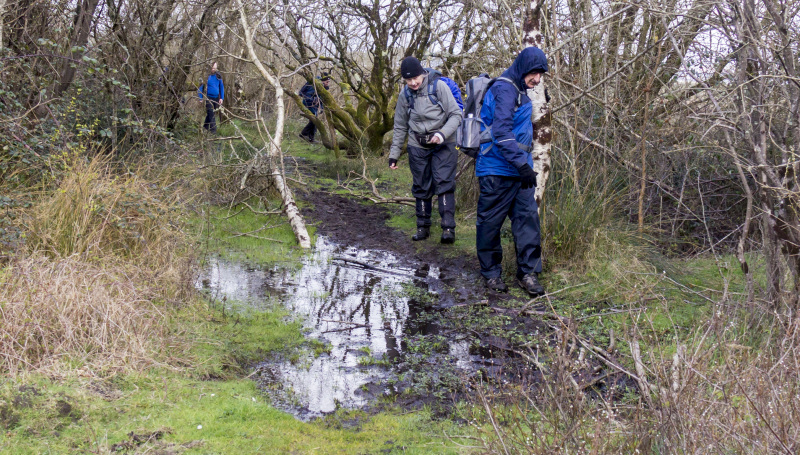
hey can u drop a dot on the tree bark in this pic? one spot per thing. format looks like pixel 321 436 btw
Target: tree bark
pixel 541 116
pixel 274 150
pixel 80 36
pixel 2 14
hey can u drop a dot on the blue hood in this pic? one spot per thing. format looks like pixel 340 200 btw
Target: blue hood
pixel 530 59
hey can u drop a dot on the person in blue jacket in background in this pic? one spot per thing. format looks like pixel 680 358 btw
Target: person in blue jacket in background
pixel 312 101
pixel 214 91
pixel 504 168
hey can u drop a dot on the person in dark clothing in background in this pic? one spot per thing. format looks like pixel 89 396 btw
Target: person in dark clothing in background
pixel 430 123
pixel 214 91
pixel 311 100
pixel 504 168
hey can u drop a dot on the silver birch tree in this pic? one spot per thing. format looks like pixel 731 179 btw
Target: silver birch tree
pixel 541 118
pixel 274 154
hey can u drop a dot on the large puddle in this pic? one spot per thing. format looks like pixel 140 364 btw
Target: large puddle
pixel 355 301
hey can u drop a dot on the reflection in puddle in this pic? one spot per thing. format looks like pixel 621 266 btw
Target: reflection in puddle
pixel 352 300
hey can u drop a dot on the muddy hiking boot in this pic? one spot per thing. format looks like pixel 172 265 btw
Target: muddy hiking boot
pixel 530 283
pixel 496 284
pixel 422 234
pixel 448 236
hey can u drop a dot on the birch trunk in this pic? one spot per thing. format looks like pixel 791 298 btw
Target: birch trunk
pixel 541 117
pixel 274 150
pixel 2 13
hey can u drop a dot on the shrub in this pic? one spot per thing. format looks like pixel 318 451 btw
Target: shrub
pixel 574 213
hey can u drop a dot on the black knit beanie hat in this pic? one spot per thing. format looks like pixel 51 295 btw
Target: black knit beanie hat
pixel 410 67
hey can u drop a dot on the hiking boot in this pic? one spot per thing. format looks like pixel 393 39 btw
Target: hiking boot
pixel 530 283
pixel 496 284
pixel 448 236
pixel 306 138
pixel 422 234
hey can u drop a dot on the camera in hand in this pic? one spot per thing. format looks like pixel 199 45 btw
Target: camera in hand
pixel 425 140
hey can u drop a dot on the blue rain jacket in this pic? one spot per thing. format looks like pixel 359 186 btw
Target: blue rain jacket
pixel 213 88
pixel 511 124
pixel 310 97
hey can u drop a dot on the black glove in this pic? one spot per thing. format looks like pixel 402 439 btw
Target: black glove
pixel 527 176
pixel 392 162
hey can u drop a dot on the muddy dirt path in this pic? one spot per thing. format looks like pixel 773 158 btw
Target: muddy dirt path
pixel 464 313
pixel 410 320
pixel 437 357
pixel 347 222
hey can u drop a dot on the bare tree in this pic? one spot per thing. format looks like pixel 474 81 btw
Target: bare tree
pixel 2 22
pixel 768 105
pixel 274 154
pixel 84 18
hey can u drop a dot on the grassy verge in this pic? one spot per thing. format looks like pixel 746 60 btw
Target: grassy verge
pixel 106 348
pixel 205 407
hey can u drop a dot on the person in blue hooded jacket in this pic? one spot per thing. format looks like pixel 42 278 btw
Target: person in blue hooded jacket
pixel 504 168
pixel 311 100
pixel 214 91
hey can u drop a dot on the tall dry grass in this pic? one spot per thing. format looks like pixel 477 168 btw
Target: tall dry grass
pixel 96 210
pixel 731 385
pixel 70 313
pixel 104 266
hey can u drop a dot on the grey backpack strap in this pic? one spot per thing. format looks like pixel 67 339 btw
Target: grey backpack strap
pixel 513 84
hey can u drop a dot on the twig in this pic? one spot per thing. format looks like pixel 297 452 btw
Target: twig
pixel 370 267
pixel 546 295
pixel 494 423
pixel 260 238
pixel 226 138
pixel 612 312
pixel 342 322
pixel 296 181
pixel 259 212
pixel 346 328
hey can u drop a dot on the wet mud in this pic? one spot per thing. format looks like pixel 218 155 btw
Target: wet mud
pixel 397 319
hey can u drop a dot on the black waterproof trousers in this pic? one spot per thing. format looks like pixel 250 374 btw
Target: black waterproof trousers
pixel 211 105
pixel 433 171
pixel 503 197
pixel 310 130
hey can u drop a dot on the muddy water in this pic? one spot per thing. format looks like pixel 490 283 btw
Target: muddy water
pixel 355 301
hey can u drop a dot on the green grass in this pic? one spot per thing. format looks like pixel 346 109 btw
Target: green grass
pixel 208 417
pixel 206 408
pixel 219 230
pixel 236 340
